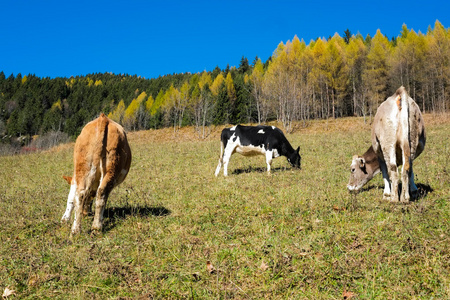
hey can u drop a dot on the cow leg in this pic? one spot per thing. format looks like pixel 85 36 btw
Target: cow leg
pixel 70 201
pixel 406 172
pixel 220 160
pixel 269 155
pixel 387 182
pixel 80 198
pixel 88 204
pixel 393 175
pixel 87 208
pixel 225 164
pixel 103 191
pixel 218 167
pixel 412 186
pixel 391 165
pixel 226 159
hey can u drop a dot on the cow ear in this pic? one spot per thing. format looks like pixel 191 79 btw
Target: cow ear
pixel 362 162
pixel 298 149
pixel 68 179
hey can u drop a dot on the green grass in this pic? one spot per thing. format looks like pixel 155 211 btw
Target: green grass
pixel 296 234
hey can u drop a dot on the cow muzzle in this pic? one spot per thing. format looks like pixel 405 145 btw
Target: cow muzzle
pixel 352 189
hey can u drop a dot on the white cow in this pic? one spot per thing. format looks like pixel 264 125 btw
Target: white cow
pixel 398 137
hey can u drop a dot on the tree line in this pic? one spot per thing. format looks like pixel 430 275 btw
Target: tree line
pixel 327 78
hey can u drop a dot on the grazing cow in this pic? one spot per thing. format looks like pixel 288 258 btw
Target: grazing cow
pixel 398 137
pixel 101 160
pixel 255 140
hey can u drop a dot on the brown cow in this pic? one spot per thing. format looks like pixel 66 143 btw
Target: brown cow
pixel 398 137
pixel 101 160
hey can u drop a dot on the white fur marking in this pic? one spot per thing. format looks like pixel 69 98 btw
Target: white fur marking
pixel 275 153
pixel 261 131
pixel 93 170
pixel 251 150
pixel 70 200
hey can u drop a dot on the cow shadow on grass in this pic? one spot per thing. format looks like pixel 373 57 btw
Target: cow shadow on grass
pixel 422 190
pixel 114 215
pixel 251 169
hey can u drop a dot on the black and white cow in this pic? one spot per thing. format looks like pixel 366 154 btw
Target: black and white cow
pixel 256 140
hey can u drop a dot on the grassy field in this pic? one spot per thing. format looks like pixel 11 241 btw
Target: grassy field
pixel 296 234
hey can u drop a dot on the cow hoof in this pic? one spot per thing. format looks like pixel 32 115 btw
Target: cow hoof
pixel 404 200
pixel 95 232
pixel 96 228
pixel 64 220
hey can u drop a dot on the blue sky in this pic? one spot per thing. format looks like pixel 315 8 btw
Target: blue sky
pixel 153 38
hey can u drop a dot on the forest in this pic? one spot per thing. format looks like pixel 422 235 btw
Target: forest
pixel 338 76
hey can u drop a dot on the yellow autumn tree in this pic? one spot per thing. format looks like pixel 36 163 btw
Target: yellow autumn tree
pixel 275 79
pixel 408 62
pixel 282 82
pixel 217 83
pixel 176 101
pixel 336 72
pixel 257 79
pixel 183 102
pixel 231 91
pixel 375 74
pixel 89 81
pixel 356 54
pixel 134 113
pixel 205 79
pixel 149 104
pixel 156 105
pixel 202 102
pixel 169 105
pixel 437 68
pixel 118 113
pixel 317 79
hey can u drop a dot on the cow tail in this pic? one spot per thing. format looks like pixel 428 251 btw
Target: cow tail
pixel 102 136
pixel 222 146
pixel 403 97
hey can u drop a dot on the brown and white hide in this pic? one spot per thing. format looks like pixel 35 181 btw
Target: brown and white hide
pixel 398 138
pixel 101 159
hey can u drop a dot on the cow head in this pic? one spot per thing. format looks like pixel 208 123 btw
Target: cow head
pixel 359 175
pixel 295 159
